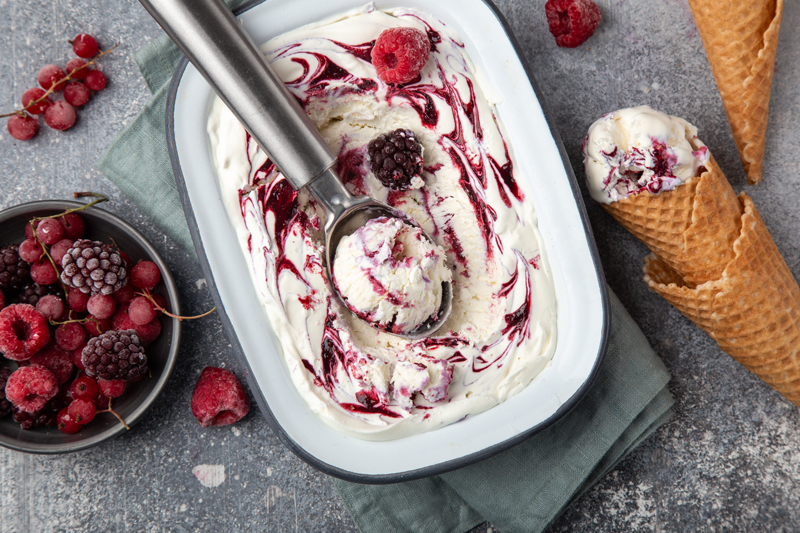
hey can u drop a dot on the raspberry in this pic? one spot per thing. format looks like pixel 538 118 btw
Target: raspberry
pixel 30 250
pixel 75 68
pixel 50 306
pixel 5 405
pixel 572 21
pixel 23 332
pixel 84 45
pixel 22 127
pixel 95 326
pixel 82 410
pixel 396 159
pixel 145 275
pixel 111 388
pixel 77 94
pixel 14 271
pixel 92 266
pixel 34 94
pixel 59 249
pixel 77 300
pixel 66 423
pixel 141 311
pixel 50 74
pixel 399 54
pixel 70 336
pixel 95 80
pixel 31 294
pixel 60 115
pixel 73 225
pixel 219 398
pixel 44 273
pixel 84 388
pixel 122 320
pixel 56 360
pixel 29 387
pixel 101 306
pixel 115 355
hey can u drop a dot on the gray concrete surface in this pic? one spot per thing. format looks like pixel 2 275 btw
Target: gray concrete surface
pixel 730 461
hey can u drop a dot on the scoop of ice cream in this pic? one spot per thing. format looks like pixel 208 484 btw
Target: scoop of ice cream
pixel 638 148
pixel 390 274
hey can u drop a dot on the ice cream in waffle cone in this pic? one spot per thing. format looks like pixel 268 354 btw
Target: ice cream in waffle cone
pixel 740 38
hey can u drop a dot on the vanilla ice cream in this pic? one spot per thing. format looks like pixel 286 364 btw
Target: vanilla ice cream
pixel 638 148
pixel 501 334
pixel 390 274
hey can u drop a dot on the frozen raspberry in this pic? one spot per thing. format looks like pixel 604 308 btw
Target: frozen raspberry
pixel 77 300
pixel 59 249
pixel 29 387
pixel 30 250
pixel 70 336
pixel 60 115
pixel 77 94
pixel 31 294
pixel 66 423
pixel 113 388
pixel 32 95
pixel 115 355
pixel 44 273
pixel 22 127
pixel 122 320
pixel 50 74
pixel 572 21
pixel 396 159
pixel 5 405
pixel 23 332
pixel 73 225
pixel 92 266
pixel 56 360
pixel 399 54
pixel 50 306
pixel 219 398
pixel 85 46
pixel 14 271
pixel 82 410
pixel 49 231
pixel 95 80
pixel 95 326
pixel 76 68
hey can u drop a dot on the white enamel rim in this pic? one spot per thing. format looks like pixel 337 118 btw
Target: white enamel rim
pixel 548 180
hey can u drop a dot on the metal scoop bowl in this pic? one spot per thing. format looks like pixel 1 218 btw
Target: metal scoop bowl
pixel 215 43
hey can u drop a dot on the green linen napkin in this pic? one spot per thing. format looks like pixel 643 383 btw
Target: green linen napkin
pixel 522 489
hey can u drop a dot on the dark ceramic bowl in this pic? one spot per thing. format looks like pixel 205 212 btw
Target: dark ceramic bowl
pixel 161 354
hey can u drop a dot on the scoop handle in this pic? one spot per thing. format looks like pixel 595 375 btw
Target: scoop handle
pixel 219 48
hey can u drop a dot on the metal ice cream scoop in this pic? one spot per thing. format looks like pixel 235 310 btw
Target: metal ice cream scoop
pixel 215 43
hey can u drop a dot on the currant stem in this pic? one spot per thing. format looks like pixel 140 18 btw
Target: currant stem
pixel 152 300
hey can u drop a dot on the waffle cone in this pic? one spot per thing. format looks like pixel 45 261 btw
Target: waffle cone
pixel 692 228
pixel 740 38
pixel 752 311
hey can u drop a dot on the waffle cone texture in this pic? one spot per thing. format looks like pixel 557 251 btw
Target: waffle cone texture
pixel 741 38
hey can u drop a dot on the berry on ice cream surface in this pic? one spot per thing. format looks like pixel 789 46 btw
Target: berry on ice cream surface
pixel 390 274
pixel 469 199
pixel 637 149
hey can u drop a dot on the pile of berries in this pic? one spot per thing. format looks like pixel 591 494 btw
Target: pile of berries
pixel 72 342
pixel 77 84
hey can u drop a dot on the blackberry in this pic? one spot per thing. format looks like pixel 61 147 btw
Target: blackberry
pixel 115 355
pixel 94 267
pixel 14 272
pixel 31 294
pixel 396 158
pixel 44 417
pixel 5 405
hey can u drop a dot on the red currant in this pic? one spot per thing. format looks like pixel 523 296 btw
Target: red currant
pixel 145 275
pixel 84 45
pixel 82 411
pixel 84 388
pixel 43 273
pixel 95 80
pixel 77 94
pixel 34 94
pixel 74 226
pixel 77 358
pixel 22 127
pixel 60 115
pixel 162 304
pixel 141 311
pixel 59 250
pixel 111 388
pixel 50 74
pixel 77 68
pixel 50 306
pixel 66 423
pixel 77 300
pixel 49 231
pixel 30 250
pixel 70 336
pixel 95 326
pixel 125 294
pixel 101 306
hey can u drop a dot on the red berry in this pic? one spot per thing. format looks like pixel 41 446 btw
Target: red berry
pixel 84 388
pixel 30 250
pixel 22 127
pixel 219 398
pixel 29 387
pixel 95 80
pixel 145 275
pixel 44 273
pixel 50 74
pixel 141 310
pixel 572 21
pixel 399 54
pixel 162 303
pixel 77 300
pixel 59 249
pixel 75 70
pixel 49 231
pixel 23 332
pixel 84 45
pixel 66 423
pixel 101 306
pixel 82 410
pixel 77 94
pixel 50 306
pixel 76 357
pixel 95 326
pixel 56 361
pixel 125 294
pixel 34 94
pixel 112 388
pixel 60 115
pixel 74 226
pixel 125 257
pixel 122 321
pixel 102 402
pixel 70 336
pixel 29 231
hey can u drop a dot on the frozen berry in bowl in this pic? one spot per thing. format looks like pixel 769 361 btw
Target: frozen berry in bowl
pixel 219 398
pixel 94 267
pixel 145 275
pixel 399 54
pixel 29 387
pixel 23 332
pixel 44 273
pixel 14 271
pixel 572 22
pixel 115 355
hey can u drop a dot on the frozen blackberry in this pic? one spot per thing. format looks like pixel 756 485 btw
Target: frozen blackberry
pixel 5 405
pixel 115 355
pixel 31 293
pixel 396 159
pixel 14 272
pixel 44 417
pixel 94 267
